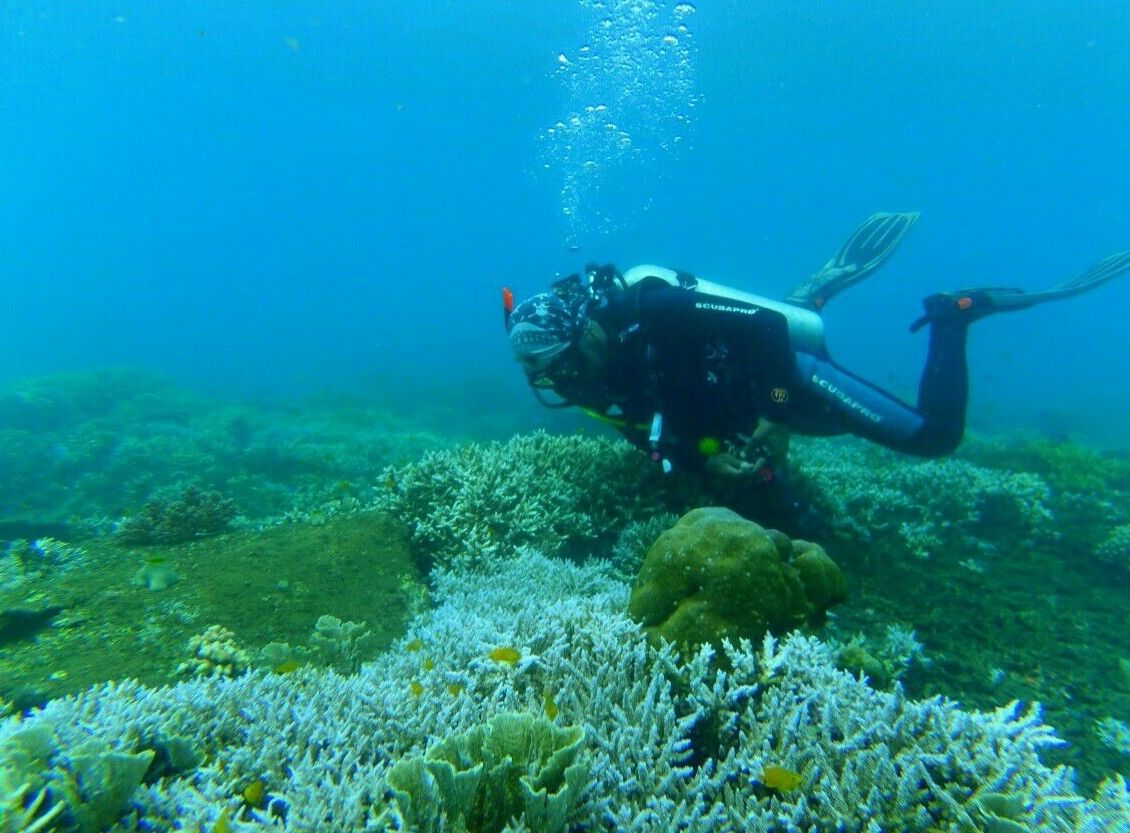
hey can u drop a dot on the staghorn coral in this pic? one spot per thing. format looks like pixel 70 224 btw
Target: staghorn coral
pixel 558 494
pixel 634 541
pixel 1114 733
pixel 931 506
pixel 323 744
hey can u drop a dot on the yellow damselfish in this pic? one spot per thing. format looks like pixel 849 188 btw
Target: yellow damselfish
pixel 780 779
pixel 506 654
pixel 254 793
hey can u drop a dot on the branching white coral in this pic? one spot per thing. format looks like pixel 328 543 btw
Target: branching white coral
pixel 480 501
pixel 672 741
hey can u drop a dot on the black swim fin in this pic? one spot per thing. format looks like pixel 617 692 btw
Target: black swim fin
pixel 868 248
pixel 969 305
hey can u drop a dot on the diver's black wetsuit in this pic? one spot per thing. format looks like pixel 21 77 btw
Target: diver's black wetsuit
pixel 832 400
pixel 711 366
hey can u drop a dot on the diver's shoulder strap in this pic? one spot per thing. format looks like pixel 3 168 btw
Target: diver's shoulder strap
pixel 806 328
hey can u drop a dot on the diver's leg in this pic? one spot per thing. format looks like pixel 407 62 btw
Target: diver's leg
pixel 834 400
pixel 943 391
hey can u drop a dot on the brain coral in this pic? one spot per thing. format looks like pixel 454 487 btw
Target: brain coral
pixel 715 576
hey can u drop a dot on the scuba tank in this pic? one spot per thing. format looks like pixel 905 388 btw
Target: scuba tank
pixel 806 328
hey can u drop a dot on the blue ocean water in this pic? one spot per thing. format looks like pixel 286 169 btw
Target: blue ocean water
pixel 276 198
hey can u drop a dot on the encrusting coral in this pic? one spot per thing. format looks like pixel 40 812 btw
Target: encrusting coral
pixel 715 576
pixel 322 745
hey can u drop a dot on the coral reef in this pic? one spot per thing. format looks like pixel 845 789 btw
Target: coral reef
pixel 215 653
pixel 78 448
pixel 322 745
pixel 634 541
pixel 715 576
pixel 83 788
pixel 933 506
pixel 1116 548
pixel 342 645
pixel 559 494
pixel 182 515
pixel 885 662
pixel 1114 733
pixel 517 765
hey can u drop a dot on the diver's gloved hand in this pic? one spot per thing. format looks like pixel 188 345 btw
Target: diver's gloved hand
pixel 729 465
pixel 760 455
pixel 773 440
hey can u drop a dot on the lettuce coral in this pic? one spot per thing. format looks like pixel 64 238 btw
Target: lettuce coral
pixel 517 765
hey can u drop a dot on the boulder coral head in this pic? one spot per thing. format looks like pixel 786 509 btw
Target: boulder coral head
pixel 714 576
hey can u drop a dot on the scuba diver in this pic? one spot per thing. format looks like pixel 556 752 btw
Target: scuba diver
pixel 705 377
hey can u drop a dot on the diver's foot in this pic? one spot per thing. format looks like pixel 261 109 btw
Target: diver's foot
pixel 962 308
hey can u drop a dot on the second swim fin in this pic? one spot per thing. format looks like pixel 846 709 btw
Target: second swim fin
pixel 868 248
pixel 972 304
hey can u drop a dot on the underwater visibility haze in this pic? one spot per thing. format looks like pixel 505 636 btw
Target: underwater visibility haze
pixel 286 541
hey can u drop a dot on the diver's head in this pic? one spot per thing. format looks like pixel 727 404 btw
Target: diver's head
pixel 559 344
pixel 542 329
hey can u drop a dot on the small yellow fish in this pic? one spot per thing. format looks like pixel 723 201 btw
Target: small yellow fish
pixel 507 654
pixel 780 779
pixel 550 705
pixel 416 688
pixel 287 666
pixel 254 793
pixel 428 664
pixel 415 645
pixel 455 689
